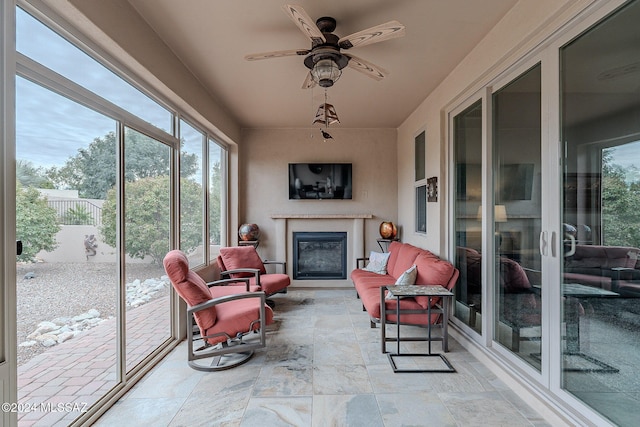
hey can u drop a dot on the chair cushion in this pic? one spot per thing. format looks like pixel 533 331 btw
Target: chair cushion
pixel 234 257
pixel 237 317
pixel 191 287
pixel 433 270
pixel 394 251
pixel 271 283
pixel 406 257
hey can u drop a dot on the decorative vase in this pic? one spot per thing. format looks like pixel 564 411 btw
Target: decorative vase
pixel 388 230
pixel 248 232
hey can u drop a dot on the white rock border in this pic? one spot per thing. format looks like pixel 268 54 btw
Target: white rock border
pixel 61 329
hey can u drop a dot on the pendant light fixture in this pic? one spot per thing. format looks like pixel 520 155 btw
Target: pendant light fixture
pixel 326 115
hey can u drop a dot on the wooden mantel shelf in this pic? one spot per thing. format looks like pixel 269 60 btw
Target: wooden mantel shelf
pixel 321 216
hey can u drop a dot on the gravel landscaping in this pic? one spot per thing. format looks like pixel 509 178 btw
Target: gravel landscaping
pixel 77 294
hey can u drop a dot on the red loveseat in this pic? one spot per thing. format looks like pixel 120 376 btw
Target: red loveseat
pixel 431 270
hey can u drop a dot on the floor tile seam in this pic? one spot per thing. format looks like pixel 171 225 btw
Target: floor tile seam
pixel 442 404
pixel 502 399
pixel 506 398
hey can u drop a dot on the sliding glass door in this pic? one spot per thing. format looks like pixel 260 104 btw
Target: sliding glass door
pixel 467 137
pixel 601 215
pixel 517 215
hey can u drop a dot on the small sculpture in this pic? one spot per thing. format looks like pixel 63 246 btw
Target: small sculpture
pixel 249 232
pixel 90 245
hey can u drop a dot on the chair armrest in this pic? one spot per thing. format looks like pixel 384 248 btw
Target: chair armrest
pixel 240 270
pixel 227 298
pixel 360 262
pixel 282 264
pixel 226 282
pixel 253 271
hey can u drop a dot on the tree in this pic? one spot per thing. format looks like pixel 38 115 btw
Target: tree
pixel 93 170
pixel 215 204
pixel 30 176
pixel 36 223
pixel 147 222
pixel 620 204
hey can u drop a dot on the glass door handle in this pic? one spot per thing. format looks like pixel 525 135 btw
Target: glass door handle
pixel 543 243
pixel 572 242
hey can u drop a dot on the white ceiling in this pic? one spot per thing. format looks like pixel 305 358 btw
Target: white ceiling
pixel 212 37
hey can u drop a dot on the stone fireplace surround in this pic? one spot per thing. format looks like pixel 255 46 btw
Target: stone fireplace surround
pixel 352 224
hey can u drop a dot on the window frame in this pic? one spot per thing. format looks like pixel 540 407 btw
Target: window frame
pixel 420 182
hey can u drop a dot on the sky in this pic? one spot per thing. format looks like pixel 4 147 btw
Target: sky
pixel 48 136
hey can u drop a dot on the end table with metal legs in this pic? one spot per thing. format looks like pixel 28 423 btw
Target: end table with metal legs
pixel 400 291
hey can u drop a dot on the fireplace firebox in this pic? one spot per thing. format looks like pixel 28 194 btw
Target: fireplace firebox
pixel 320 255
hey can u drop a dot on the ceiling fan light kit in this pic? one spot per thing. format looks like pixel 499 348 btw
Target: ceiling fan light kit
pixel 325 59
pixel 326 72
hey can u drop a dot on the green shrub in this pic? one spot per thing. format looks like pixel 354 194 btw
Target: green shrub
pixel 36 223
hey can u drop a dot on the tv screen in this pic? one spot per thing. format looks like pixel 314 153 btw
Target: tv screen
pixel 320 181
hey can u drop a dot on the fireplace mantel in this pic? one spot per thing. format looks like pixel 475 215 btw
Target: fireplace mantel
pixel 287 223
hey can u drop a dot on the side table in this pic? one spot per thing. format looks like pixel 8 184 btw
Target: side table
pixel 443 307
pixel 253 243
pixel 384 243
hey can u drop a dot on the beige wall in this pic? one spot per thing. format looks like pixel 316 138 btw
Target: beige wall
pixel 264 158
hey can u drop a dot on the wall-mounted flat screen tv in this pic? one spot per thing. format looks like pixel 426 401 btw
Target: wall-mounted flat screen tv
pixel 320 181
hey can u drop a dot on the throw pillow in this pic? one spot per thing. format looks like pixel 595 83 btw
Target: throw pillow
pixel 408 277
pixel 378 262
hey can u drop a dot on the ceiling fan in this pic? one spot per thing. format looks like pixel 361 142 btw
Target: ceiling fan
pixel 325 60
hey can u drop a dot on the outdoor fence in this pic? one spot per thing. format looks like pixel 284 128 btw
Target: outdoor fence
pixel 77 212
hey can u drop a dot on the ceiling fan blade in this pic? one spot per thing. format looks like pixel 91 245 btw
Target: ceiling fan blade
pixel 308 82
pixel 275 54
pixel 366 67
pixel 305 23
pixel 379 33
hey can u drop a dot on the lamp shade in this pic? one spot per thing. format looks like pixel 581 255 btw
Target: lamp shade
pixel 326 115
pixel 325 72
pixel 499 213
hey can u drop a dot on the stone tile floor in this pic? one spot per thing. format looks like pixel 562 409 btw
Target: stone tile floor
pixel 322 367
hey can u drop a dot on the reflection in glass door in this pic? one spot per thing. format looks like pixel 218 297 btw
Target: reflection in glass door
pixel 517 216
pixel 467 128
pixel 601 216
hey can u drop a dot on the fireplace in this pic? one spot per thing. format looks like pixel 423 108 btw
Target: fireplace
pixel 320 255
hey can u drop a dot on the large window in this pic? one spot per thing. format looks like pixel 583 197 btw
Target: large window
pixel 98 209
pixel 217 196
pixel 601 216
pixel 39 43
pixel 192 193
pixel 67 275
pixel 420 184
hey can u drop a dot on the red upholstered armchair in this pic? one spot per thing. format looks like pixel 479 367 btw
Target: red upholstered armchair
pixel 244 261
pixel 219 315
